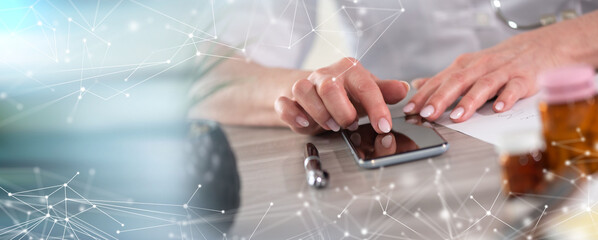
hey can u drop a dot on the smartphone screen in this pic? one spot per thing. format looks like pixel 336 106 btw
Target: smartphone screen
pixel 411 137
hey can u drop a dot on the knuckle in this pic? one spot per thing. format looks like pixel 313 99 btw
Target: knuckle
pixel 463 59
pixel 327 88
pixel 457 79
pixel 364 86
pixel 487 82
pixel 301 88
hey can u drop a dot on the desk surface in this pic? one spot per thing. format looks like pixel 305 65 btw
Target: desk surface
pixel 449 196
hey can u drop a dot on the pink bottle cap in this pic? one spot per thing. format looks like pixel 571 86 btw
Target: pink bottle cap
pixel 567 84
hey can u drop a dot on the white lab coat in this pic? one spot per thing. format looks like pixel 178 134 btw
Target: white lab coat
pixel 421 41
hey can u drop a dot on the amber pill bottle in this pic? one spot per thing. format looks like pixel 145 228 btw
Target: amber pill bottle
pixel 568 112
pixel 522 162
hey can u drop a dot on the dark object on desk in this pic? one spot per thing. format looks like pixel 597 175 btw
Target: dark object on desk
pixel 215 164
pixel 316 176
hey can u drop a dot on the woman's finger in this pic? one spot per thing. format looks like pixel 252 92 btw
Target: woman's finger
pixel 393 91
pixel 305 94
pixel 484 89
pixel 514 90
pixel 336 101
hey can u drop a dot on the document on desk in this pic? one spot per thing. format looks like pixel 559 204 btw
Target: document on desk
pixel 489 126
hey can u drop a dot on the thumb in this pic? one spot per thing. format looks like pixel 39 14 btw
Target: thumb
pixel 393 91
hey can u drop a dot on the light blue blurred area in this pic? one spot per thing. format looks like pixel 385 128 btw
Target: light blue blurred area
pixel 131 62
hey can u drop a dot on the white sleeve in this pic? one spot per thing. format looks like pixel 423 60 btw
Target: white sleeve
pixel 273 33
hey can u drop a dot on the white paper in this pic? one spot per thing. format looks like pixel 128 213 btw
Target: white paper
pixel 489 126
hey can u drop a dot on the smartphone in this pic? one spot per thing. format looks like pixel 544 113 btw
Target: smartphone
pixel 411 138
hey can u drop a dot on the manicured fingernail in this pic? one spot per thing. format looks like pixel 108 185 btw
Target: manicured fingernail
pixel 457 113
pixel 409 107
pixel 407 86
pixel 386 141
pixel 333 125
pixel 353 126
pixel 427 111
pixel 383 125
pixel 499 106
pixel 302 121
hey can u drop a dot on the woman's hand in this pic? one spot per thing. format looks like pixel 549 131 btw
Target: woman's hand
pixel 508 70
pixel 334 97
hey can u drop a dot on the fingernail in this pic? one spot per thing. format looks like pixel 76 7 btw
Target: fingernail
pixel 499 106
pixel 409 107
pixel 407 86
pixel 383 125
pixel 302 121
pixel 353 126
pixel 457 113
pixel 333 125
pixel 427 111
pixel 386 141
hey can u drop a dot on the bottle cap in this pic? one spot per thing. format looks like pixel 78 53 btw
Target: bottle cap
pixel 567 84
pixel 520 142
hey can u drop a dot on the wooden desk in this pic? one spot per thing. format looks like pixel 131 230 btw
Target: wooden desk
pixel 445 197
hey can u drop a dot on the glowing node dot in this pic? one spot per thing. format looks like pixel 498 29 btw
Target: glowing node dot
pixel 346 234
pixel 364 231
pixel 122 224
pixel 10 194
pixel 567 163
pixel 47 215
pixel 64 185
pixel 470 196
pixel 109 44
pixel 198 53
pixel 66 219
pixel 354 64
pixel 529 237
pixel 46 197
pixel 126 79
pixel 587 153
pixel 271 203
pixel 50 207
pixel 93 29
pixel 28 212
pixel 384 213
pixel 313 30
pixel 82 89
pixel 55 220
pixel 199 186
pixel 402 9
pixel 572 181
pixel 84 40
pixel 488 213
pixel 168 61
pixel 3 95
pixel 553 143
pixel 338 216
pixel 222 211
pixel 127 95
pixel 39 23
pixel 94 206
pixel 588 209
pixel 70 19
pixel 190 35
pixel 494 230
pixel 117 231
pixel 487 169
pixel 185 206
